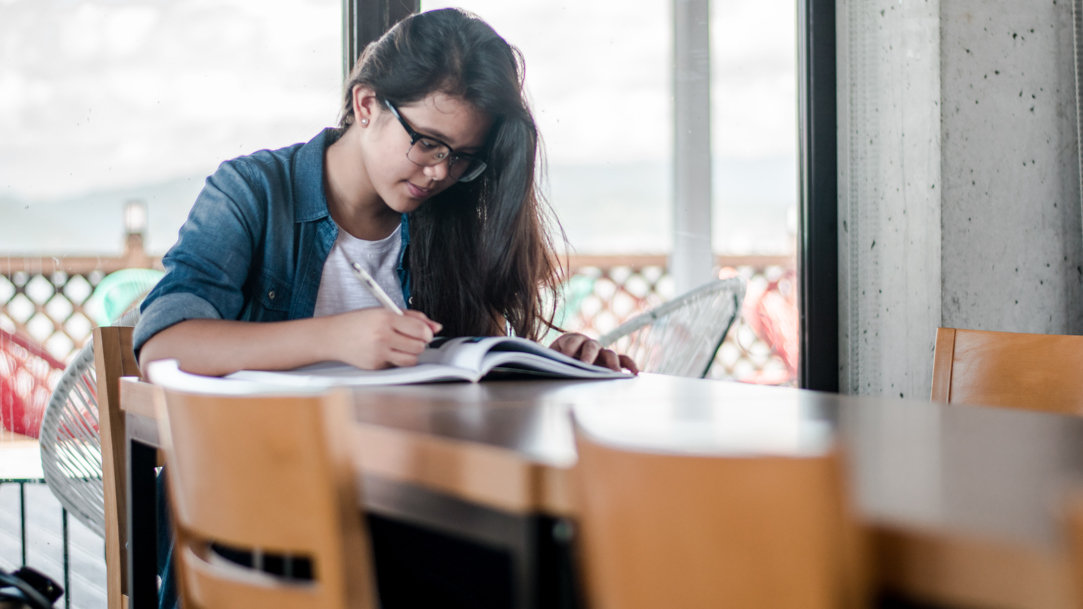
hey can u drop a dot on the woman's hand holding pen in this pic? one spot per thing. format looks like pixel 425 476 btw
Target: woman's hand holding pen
pixel 396 337
pixel 586 349
pixel 380 338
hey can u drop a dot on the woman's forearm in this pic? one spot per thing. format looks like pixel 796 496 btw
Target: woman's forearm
pixel 217 347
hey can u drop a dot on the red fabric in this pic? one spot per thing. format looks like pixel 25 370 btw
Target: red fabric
pixel 772 315
pixel 27 376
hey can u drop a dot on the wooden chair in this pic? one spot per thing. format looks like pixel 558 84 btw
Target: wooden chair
pixel 1072 527
pixel 1031 371
pixel 114 358
pixel 268 475
pixel 699 532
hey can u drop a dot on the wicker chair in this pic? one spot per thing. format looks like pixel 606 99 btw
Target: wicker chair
pixel 71 456
pixel 71 445
pixel 681 337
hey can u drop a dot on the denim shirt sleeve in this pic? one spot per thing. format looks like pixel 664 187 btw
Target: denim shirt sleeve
pixel 208 266
pixel 254 245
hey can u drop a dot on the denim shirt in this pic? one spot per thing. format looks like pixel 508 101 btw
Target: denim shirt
pixel 254 244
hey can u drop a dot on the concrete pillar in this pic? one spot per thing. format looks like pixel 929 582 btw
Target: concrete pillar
pixel 959 181
pixel 889 194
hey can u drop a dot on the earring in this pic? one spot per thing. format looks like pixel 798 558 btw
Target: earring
pixel 364 122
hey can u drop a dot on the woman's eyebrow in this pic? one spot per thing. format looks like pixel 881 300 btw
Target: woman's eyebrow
pixel 436 134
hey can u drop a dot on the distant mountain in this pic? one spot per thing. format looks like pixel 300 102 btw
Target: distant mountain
pixel 603 208
pixel 93 223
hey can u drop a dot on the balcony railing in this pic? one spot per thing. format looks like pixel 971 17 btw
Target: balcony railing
pixel 45 298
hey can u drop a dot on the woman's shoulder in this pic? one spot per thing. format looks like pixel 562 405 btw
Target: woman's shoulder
pixel 302 161
pixel 297 157
pixel 290 178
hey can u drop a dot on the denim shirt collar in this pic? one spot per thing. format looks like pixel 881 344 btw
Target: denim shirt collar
pixel 309 164
pixel 312 204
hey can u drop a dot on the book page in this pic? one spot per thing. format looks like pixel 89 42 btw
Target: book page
pixel 455 359
pixel 329 374
pixel 486 353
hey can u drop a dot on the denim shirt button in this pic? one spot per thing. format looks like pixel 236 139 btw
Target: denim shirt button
pixel 271 294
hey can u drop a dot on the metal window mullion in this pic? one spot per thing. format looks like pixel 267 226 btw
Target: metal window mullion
pixel 366 20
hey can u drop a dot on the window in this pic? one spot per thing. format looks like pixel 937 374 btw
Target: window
pixel 105 102
pixel 599 74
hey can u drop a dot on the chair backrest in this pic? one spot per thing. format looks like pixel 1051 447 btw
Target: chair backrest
pixel 699 531
pixel 681 336
pixel 118 292
pixel 1072 529
pixel 71 457
pixel 1031 371
pixel 267 473
pixel 114 358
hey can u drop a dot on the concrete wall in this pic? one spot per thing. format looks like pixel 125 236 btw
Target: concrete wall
pixel 959 180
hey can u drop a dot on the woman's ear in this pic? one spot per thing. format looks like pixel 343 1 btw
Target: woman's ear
pixel 365 104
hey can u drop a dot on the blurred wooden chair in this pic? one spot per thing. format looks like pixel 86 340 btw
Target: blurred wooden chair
pixel 83 445
pixel 700 532
pixel 267 476
pixel 1030 371
pixel 1072 529
pixel 682 336
pixel 114 358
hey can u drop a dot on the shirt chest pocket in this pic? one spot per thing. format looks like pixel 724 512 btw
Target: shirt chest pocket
pixel 274 298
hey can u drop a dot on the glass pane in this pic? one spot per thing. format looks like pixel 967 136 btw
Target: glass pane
pixel 599 73
pixel 754 114
pixel 104 102
pixel 754 110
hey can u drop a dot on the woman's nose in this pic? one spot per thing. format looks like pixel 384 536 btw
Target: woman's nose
pixel 437 172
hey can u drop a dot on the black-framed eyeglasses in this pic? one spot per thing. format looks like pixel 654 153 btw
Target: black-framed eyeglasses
pixel 427 151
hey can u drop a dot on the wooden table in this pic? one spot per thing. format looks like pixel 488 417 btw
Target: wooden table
pixel 960 503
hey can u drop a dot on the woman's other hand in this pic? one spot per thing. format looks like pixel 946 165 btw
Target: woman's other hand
pixel 586 349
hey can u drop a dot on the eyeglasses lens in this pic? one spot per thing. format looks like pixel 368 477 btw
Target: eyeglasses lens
pixel 426 152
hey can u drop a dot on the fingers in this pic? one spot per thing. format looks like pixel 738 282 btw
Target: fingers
pixel 588 350
pixel 614 361
pixel 434 326
pixel 628 364
pixel 414 327
pixel 411 333
pixel 607 359
pixel 569 344
pixel 377 338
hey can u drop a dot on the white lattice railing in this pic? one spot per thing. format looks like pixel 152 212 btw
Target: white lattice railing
pixel 45 299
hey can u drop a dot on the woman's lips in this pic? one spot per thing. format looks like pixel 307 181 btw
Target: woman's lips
pixel 418 192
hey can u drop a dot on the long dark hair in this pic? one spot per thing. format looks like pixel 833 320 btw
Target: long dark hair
pixel 480 252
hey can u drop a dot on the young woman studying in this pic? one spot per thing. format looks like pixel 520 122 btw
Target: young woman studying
pixel 428 183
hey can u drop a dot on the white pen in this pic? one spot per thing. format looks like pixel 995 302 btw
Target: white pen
pixel 375 288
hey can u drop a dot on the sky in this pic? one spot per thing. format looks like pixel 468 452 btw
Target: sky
pixel 579 53
pixel 97 95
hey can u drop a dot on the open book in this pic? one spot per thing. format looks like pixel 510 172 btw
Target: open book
pixel 454 359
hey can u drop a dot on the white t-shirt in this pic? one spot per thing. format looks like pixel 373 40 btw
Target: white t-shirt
pixel 341 291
